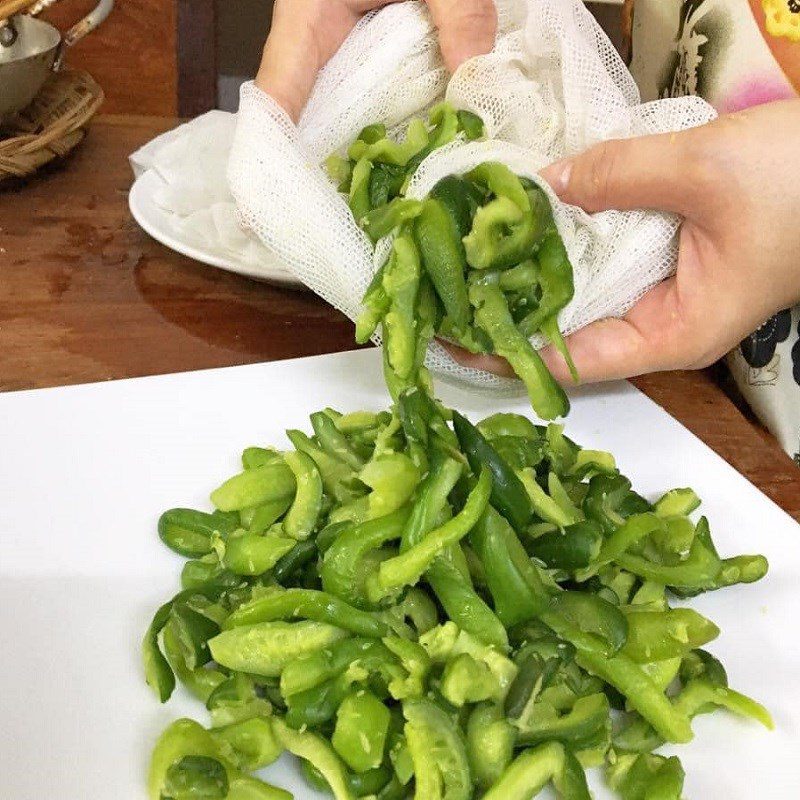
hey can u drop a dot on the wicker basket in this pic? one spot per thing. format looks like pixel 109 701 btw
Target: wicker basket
pixel 51 126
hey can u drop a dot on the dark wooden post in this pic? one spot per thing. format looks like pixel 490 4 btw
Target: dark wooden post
pixel 197 56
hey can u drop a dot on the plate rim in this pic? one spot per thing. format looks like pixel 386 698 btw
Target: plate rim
pixel 143 210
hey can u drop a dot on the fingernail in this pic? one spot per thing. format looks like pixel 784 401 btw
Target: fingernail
pixel 558 175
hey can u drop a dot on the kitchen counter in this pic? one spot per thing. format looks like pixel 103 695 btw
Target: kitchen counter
pixel 85 295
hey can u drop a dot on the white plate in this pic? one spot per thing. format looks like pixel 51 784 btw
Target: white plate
pixel 157 223
pixel 85 472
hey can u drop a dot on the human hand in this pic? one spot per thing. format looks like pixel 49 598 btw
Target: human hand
pixel 737 183
pixel 305 35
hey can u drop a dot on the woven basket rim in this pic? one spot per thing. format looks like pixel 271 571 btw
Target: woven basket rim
pixel 52 125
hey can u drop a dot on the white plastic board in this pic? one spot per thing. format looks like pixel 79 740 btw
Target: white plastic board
pixel 85 472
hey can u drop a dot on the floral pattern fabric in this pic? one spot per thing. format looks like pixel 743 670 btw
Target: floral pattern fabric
pixel 735 54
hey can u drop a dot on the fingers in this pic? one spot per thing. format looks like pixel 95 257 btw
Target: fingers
pixel 648 339
pixel 658 172
pixel 285 77
pixel 655 335
pixel 486 363
pixel 467 28
pixel 605 350
pixel 363 6
pixel 305 35
pixel 659 333
pixel 291 57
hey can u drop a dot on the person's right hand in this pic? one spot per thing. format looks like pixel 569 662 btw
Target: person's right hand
pixel 736 182
pixel 305 34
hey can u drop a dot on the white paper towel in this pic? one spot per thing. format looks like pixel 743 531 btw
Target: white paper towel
pixel 191 161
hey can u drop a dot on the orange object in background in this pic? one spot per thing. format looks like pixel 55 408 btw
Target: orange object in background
pixel 782 38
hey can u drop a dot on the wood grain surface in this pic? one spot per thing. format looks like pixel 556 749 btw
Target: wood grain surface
pixel 132 55
pixel 86 296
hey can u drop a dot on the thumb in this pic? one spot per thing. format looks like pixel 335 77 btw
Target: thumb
pixel 654 172
pixel 467 28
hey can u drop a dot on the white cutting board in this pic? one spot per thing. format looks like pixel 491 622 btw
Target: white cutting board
pixel 85 472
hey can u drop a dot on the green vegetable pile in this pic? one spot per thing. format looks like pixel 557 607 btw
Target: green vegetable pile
pixel 479 261
pixel 416 606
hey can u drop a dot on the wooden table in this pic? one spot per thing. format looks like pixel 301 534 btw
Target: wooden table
pixel 87 296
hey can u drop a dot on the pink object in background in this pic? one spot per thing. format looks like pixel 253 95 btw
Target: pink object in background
pixel 755 91
pixel 733 55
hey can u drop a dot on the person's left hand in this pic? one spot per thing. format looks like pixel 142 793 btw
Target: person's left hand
pixel 305 35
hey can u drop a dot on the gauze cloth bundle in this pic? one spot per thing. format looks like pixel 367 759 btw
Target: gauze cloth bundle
pixel 553 86
pixel 191 162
